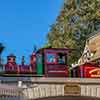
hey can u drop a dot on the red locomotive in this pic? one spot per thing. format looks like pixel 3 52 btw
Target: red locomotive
pixel 48 62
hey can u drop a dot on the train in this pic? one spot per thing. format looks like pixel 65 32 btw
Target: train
pixel 49 62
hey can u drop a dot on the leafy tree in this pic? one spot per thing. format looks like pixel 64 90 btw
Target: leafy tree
pixel 77 19
pixel 61 33
pixel 89 20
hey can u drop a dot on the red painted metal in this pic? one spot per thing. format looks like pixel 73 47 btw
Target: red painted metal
pixel 55 69
pixel 89 71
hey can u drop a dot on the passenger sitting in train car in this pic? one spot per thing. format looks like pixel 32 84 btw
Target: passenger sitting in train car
pixel 61 58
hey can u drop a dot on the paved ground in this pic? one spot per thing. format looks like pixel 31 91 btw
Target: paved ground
pixel 69 98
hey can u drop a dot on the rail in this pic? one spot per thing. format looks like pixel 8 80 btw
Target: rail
pixel 44 87
pixel 39 87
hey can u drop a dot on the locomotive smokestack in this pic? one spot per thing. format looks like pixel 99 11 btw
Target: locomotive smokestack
pixel 23 60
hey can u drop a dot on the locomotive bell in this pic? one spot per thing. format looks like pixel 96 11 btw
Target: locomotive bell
pixel 11 58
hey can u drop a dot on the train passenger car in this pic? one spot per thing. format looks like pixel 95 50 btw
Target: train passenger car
pixel 86 70
pixel 52 62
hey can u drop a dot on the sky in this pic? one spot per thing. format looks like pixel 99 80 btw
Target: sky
pixel 25 23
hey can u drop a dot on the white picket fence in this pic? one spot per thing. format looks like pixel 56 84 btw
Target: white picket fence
pixel 44 90
pixel 55 87
pixel 10 91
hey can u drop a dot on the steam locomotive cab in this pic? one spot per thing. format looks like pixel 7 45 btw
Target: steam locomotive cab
pixel 52 62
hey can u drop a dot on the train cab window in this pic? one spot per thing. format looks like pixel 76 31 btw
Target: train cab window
pixel 39 59
pixel 61 58
pixel 51 58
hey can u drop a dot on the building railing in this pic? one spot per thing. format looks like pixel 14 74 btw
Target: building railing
pixel 47 87
pixel 10 91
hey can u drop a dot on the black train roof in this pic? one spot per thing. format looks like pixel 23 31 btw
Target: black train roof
pixel 59 49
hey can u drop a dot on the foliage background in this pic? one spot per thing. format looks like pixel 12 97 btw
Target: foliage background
pixel 77 19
